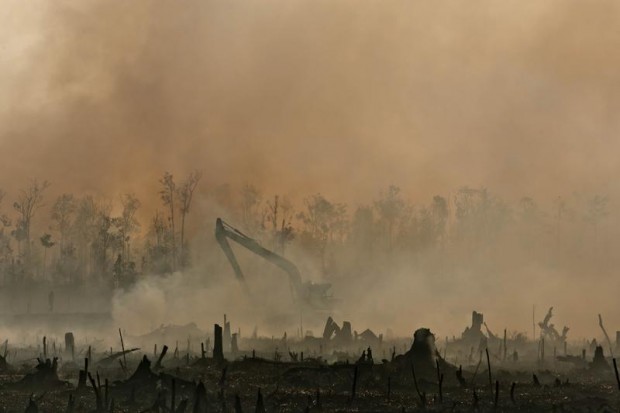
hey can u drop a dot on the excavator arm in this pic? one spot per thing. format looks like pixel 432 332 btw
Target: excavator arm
pixel 224 231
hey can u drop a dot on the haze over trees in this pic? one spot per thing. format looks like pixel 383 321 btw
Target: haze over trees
pixel 81 239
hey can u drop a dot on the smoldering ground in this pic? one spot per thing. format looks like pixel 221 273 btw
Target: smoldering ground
pixel 342 98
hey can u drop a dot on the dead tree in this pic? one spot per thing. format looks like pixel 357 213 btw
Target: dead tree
pixel 600 323
pixel 548 330
pixel 473 334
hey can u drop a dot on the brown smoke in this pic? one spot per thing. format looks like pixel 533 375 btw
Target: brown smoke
pixel 299 96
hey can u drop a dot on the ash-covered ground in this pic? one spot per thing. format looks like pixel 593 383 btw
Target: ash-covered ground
pixel 180 368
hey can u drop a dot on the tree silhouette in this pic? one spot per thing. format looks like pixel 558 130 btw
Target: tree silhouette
pixel 185 193
pixel 28 202
pixel 47 243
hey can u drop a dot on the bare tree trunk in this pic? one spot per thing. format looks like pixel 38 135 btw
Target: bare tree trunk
pixel 174 244
pixel 182 238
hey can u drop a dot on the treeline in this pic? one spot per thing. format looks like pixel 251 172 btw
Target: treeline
pixel 472 227
pixel 92 240
pixel 85 242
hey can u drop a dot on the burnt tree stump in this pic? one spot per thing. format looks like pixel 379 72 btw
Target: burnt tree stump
pixel 218 351
pixel 70 344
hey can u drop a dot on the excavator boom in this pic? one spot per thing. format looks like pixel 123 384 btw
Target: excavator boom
pixel 223 232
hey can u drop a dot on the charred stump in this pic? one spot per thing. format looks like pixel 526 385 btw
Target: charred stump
pixel 599 363
pixel 143 372
pixel 44 377
pixel 218 351
pixel 70 344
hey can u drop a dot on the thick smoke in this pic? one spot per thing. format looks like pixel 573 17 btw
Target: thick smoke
pixel 339 97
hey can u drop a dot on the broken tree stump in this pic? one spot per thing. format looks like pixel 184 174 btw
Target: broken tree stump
pixel 234 346
pixel 83 374
pixel 143 372
pixel 423 351
pixel 200 398
pixel 473 334
pixel 44 377
pixel 218 351
pixel 344 336
pixel 599 363
pixel 424 357
pixel 260 405
pixel 70 344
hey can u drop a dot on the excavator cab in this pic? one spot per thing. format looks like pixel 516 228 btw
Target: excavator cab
pixel 317 295
pixel 314 295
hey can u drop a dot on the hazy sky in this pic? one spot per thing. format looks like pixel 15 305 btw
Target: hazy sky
pixel 343 97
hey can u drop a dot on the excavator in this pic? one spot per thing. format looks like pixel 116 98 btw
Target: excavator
pixel 313 295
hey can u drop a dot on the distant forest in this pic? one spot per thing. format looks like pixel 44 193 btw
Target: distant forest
pixel 85 242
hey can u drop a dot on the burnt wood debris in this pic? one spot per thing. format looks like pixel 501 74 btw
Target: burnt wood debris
pixel 341 370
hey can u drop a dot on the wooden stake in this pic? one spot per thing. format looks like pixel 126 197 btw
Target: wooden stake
pixel 164 350
pixel 106 393
pixel 475 399
pixel 489 366
pixel 354 383
pixel 439 381
pixel 97 392
pixel 422 396
pixel 173 396
pixel 600 323
pixel 534 322
pixel 123 350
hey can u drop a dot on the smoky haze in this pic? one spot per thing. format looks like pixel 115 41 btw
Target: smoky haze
pixel 343 98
